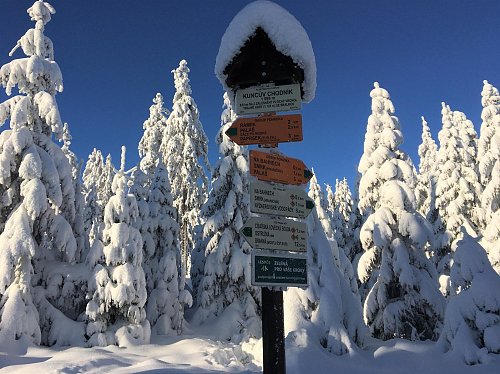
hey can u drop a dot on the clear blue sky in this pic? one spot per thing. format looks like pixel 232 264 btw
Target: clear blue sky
pixel 115 55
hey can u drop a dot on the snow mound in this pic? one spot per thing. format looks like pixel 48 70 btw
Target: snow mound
pixel 284 30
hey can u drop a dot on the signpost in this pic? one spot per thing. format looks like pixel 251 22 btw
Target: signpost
pixel 264 80
pixel 266 129
pixel 279 270
pixel 273 167
pixel 272 234
pixel 268 98
pixel 272 199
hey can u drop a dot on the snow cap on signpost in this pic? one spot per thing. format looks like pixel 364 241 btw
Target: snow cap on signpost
pixel 266 44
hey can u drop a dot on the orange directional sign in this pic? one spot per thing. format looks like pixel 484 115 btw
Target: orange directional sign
pixel 272 167
pixel 266 129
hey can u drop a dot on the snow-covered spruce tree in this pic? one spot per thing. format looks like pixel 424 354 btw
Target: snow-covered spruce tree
pixel 184 149
pixel 140 188
pixel 426 178
pixel 344 220
pixel 117 287
pixel 382 140
pixel 327 310
pixel 468 140
pixel 97 180
pixel 471 328
pixel 492 241
pixel 224 289
pixel 369 183
pixel 329 201
pixel 339 256
pixel 489 168
pixel 404 300
pixel 150 156
pixel 159 229
pixel 149 145
pixel 167 295
pixel 489 152
pixel 76 219
pixel 36 188
pixel 457 185
pixel 317 195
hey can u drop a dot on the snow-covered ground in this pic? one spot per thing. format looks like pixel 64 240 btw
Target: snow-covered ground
pixel 192 354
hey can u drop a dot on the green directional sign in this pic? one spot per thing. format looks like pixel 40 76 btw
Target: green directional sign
pixel 279 269
pixel 266 198
pixel 275 234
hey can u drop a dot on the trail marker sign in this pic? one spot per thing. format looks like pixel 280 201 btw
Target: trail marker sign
pixel 272 167
pixel 274 234
pixel 268 98
pixel 269 129
pixel 266 198
pixel 270 269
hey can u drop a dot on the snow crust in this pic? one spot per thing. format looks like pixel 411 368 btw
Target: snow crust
pixel 284 30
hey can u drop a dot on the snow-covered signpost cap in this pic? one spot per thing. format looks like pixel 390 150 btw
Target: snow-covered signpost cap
pixel 266 44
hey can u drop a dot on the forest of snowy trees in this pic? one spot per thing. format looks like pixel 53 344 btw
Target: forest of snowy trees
pixel 92 254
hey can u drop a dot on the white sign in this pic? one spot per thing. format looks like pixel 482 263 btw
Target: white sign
pixel 266 98
pixel 270 199
pixel 281 235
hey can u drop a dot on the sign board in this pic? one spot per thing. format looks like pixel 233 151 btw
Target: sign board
pixel 268 98
pixel 266 129
pixel 273 234
pixel 269 269
pixel 272 167
pixel 276 200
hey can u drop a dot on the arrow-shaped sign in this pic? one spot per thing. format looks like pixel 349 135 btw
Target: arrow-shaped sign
pixel 266 233
pixel 276 200
pixel 272 167
pixel 270 129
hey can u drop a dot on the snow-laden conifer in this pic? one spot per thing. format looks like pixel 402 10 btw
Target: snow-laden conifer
pixel 184 149
pixel 426 178
pixel 167 294
pixel 224 288
pixel 404 300
pixel 489 168
pixel 317 195
pixel 344 219
pixel 117 287
pixel 97 179
pixel 149 145
pixel 380 120
pixel 489 151
pixel 76 219
pixel 339 256
pixel 471 328
pixel 140 188
pixel 457 186
pixel 327 311
pixel 35 185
